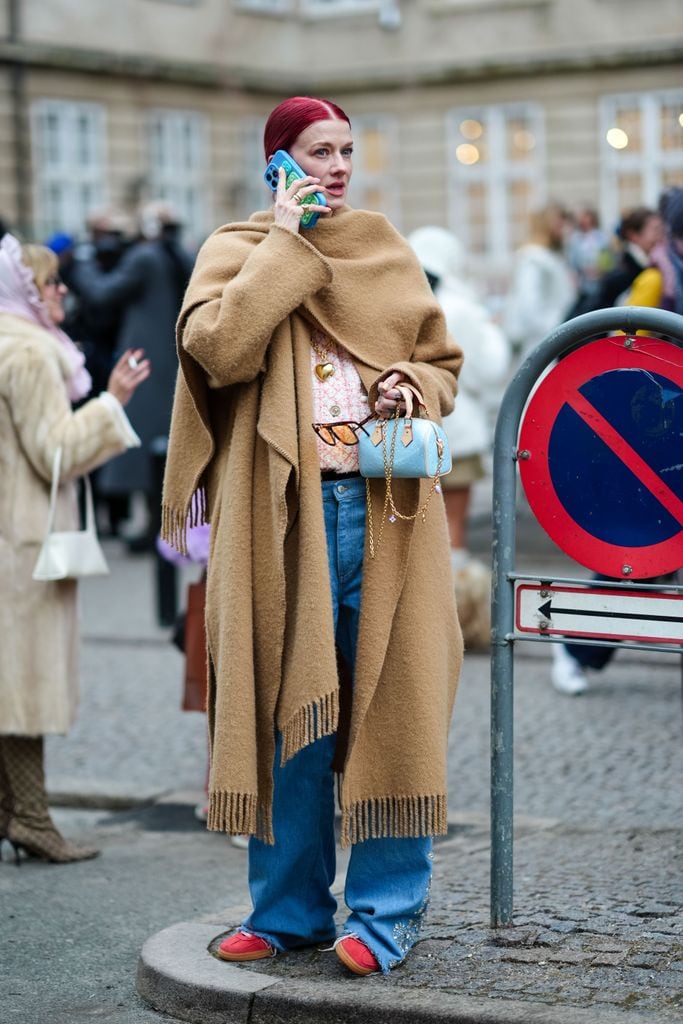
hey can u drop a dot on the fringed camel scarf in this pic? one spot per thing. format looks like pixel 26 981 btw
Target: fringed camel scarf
pixel 242 453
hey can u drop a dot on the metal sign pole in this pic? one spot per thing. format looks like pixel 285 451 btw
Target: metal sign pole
pixel 502 665
pixel 580 330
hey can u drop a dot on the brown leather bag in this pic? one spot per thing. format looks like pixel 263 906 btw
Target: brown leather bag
pixel 196 669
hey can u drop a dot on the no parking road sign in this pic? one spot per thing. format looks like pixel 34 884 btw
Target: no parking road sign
pixel 601 456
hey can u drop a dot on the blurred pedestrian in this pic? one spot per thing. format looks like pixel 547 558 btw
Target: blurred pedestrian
pixel 480 387
pixel 589 256
pixel 642 283
pixel 639 231
pixel 661 283
pixel 145 289
pixel 673 220
pixel 543 289
pixel 95 328
pixel 41 374
pixel 282 326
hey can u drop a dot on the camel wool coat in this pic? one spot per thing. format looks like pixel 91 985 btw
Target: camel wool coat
pixel 243 454
pixel 38 621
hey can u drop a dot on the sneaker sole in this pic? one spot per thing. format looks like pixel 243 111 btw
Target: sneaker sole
pixel 353 965
pixel 238 957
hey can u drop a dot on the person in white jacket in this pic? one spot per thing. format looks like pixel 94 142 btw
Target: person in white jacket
pixel 543 288
pixel 481 381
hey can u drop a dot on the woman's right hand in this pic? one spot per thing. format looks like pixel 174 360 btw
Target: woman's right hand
pixel 129 372
pixel 287 208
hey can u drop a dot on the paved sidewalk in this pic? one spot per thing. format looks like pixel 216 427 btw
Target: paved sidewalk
pixel 598 924
pixel 598 936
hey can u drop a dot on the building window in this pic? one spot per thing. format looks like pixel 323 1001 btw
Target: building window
pixel 178 160
pixel 312 8
pixel 337 6
pixel 265 5
pixel 642 149
pixel 496 161
pixel 374 184
pixel 69 163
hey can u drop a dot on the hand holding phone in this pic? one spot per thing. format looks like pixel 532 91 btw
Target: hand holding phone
pixel 293 173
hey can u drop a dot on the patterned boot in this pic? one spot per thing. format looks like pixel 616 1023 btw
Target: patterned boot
pixel 30 827
pixel 5 800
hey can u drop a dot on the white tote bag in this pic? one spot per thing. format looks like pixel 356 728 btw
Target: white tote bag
pixel 69 555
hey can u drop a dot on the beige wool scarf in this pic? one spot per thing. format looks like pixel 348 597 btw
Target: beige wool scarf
pixel 242 455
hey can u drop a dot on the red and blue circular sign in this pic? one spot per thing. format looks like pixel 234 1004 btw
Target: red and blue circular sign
pixel 604 469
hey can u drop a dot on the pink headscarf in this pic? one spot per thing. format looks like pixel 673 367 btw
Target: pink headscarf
pixel 19 295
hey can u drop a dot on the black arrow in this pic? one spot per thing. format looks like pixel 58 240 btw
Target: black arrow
pixel 547 613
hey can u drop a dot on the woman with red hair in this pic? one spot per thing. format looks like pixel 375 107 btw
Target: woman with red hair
pixel 322 658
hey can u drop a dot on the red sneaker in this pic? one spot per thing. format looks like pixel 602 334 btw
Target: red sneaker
pixel 355 955
pixel 244 946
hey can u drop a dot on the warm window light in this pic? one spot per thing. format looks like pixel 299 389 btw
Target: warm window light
pixel 680 120
pixel 617 138
pixel 524 139
pixel 471 129
pixel 467 154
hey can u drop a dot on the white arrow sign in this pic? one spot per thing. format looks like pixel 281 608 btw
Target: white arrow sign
pixel 599 612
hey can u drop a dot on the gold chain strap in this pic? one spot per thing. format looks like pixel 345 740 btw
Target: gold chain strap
pixel 388 493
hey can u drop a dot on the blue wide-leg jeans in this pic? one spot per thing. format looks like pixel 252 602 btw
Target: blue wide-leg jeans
pixel 388 880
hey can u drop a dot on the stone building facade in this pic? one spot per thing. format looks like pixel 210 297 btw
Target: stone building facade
pixel 467 113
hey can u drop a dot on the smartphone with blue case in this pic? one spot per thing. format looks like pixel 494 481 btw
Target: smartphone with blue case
pixel 292 173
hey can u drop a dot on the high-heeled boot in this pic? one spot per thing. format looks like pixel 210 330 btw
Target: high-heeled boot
pixel 5 800
pixel 30 827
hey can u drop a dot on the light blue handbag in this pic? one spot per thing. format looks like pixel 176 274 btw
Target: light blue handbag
pixel 405 447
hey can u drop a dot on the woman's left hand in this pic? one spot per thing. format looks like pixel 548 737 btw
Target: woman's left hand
pixel 128 374
pixel 389 397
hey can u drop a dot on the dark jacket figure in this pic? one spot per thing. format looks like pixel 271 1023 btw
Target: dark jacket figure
pixel 95 328
pixel 147 286
pixel 639 231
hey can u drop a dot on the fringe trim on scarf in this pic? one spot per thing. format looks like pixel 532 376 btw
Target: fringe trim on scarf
pixel 394 817
pixel 310 723
pixel 239 814
pixel 175 522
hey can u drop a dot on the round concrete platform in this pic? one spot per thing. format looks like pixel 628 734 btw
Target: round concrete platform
pixel 178 976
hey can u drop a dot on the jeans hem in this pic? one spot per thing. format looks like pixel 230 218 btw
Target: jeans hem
pixel 386 963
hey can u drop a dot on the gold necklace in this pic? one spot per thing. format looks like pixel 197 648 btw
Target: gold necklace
pixel 324 368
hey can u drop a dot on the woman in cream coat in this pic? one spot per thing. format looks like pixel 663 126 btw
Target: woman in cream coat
pixel 41 373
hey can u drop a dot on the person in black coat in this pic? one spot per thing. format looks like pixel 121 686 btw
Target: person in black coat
pixel 146 289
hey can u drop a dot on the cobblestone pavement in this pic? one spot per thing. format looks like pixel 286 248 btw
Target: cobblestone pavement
pixel 597 924
pixel 614 755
